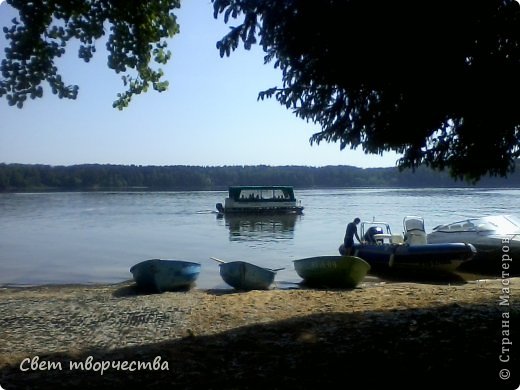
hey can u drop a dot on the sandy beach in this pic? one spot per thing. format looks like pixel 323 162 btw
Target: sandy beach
pixel 404 334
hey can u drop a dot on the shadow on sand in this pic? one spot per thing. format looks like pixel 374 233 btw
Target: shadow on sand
pixel 130 290
pixel 446 346
pixel 413 276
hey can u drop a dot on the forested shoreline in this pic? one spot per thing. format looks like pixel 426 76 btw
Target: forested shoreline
pixel 87 177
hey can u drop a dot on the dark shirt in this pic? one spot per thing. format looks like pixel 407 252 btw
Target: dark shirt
pixel 349 234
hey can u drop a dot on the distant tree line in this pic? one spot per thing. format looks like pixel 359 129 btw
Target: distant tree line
pixel 22 177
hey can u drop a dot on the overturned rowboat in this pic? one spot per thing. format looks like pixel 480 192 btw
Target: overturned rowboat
pixel 158 275
pixel 332 271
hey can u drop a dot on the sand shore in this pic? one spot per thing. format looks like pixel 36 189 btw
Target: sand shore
pixel 407 334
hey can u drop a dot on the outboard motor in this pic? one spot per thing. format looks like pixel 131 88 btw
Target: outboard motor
pixel 220 208
pixel 379 230
pixel 369 235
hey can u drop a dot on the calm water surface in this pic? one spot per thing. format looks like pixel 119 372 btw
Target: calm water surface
pixel 95 237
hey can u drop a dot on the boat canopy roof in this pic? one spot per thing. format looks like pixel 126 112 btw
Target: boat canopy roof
pixel 261 192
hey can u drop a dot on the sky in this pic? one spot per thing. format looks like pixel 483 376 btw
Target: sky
pixel 209 116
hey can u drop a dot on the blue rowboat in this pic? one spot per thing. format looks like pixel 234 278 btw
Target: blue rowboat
pixel 246 276
pixel 332 271
pixel 165 275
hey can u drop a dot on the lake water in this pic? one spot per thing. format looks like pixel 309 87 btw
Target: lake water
pixel 95 237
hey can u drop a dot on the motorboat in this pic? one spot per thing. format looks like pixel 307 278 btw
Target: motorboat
pixel 261 200
pixel 388 252
pixel 496 238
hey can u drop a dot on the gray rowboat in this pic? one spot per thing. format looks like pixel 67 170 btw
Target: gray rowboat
pixel 246 276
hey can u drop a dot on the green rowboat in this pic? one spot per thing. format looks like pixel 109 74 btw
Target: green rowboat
pixel 332 271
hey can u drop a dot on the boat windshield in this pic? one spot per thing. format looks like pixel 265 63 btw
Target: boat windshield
pixel 499 224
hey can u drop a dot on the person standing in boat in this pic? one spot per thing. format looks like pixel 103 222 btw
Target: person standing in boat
pixel 348 241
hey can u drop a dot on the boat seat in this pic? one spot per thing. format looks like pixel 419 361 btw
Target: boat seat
pixel 414 224
pixel 415 234
pixel 415 237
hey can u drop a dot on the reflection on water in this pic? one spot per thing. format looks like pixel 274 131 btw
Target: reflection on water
pixel 255 227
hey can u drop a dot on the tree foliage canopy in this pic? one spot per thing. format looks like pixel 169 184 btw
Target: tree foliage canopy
pixel 18 177
pixel 437 82
pixel 44 27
